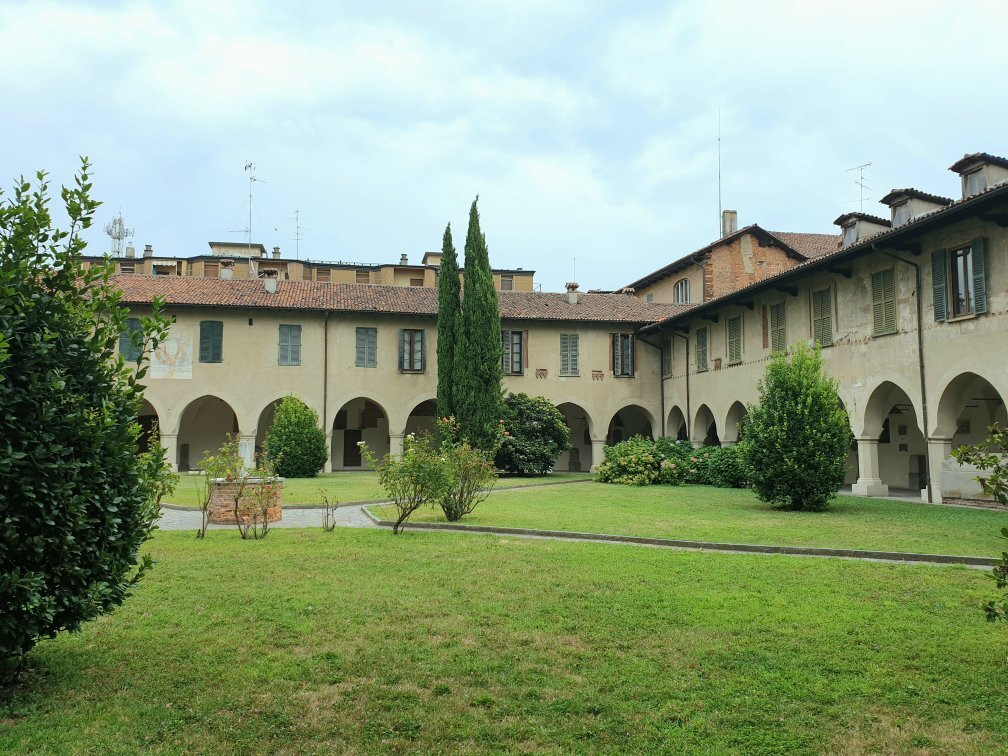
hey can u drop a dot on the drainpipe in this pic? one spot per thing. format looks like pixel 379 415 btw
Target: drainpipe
pixel 920 361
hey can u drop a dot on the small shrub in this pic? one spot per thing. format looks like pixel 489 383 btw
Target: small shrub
pixel 296 442
pixel 536 434
pixel 633 462
pixel 420 476
pixel 471 473
pixel 797 437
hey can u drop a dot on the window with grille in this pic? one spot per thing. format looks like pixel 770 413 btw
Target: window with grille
pixel 127 268
pixel 512 352
pixel 211 341
pixel 680 293
pixel 778 328
pixel 211 270
pixel 734 326
pixel 623 354
pixel 883 286
pixel 129 340
pixel 667 357
pixel 416 282
pixel 507 283
pixel 412 350
pixel 323 274
pixel 701 350
pixel 569 354
pixel 290 345
pixel 367 347
pixel 363 276
pixel 822 317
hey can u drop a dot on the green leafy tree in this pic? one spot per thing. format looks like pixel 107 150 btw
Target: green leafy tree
pixel 296 441
pixel 535 435
pixel 449 324
pixel 477 379
pixel 420 476
pixel 77 498
pixel 989 457
pixel 798 435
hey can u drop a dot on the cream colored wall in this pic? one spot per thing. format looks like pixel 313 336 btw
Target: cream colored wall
pixel 873 373
pixel 664 290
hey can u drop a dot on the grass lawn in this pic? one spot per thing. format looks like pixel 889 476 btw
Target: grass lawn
pixel 362 641
pixel 346 486
pixel 732 516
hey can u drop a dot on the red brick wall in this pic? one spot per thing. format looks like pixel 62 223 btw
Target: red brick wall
pixel 741 262
pixel 222 503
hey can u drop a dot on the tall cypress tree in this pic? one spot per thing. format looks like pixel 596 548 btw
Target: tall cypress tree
pixel 477 386
pixel 448 325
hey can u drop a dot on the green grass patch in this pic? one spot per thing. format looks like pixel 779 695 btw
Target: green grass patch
pixel 361 641
pixel 346 486
pixel 702 513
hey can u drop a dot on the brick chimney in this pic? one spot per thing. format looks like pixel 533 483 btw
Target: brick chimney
pixel 729 222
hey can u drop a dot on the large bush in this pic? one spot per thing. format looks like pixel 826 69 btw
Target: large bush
pixel 419 476
pixel 721 466
pixel 633 462
pixel 536 434
pixel 798 436
pixel 296 442
pixel 77 498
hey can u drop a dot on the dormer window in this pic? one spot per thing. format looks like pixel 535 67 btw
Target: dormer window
pixel 974 182
pixel 680 294
pixel 901 213
pixel 849 234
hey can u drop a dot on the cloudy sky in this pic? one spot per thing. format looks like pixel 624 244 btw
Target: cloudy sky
pixel 588 129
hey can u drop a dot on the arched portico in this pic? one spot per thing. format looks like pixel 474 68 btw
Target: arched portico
pixel 579 457
pixel 204 425
pixel 264 424
pixel 149 423
pixel 421 417
pixel 891 447
pixel 968 406
pixel 734 423
pixel 704 428
pixel 632 420
pixel 676 425
pixel 359 419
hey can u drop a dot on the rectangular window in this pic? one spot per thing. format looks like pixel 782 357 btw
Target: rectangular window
pixel 367 347
pixel 734 327
pixel 623 354
pixel 127 268
pixel 211 341
pixel 211 270
pixel 416 282
pixel 512 354
pixel 974 183
pixel 569 354
pixel 412 350
pixel 701 350
pixel 290 345
pixel 901 213
pixel 507 283
pixel 363 276
pixel 883 286
pixel 778 328
pixel 129 340
pixel 649 298
pixel 667 357
pixel 323 274
pixel 961 281
pixel 822 317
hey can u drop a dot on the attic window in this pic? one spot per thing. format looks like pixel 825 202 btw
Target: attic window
pixel 901 213
pixel 974 182
pixel 849 234
pixel 507 283
pixel 680 294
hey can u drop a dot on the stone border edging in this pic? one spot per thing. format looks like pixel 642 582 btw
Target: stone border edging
pixel 364 502
pixel 745 548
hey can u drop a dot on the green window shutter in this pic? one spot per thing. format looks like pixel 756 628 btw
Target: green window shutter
pixel 629 352
pixel 667 357
pixel 402 349
pixel 575 365
pixel 939 275
pixel 217 341
pixel 734 339
pixel 284 348
pixel 506 351
pixel 617 356
pixel 361 357
pixel 211 341
pixel 884 302
pixel 778 328
pixel 295 345
pixel 204 341
pixel 422 341
pixel 564 354
pixel 372 347
pixel 878 303
pixel 979 278
pixel 822 317
pixel 701 349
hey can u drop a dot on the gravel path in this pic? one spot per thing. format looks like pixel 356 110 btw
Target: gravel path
pixel 346 517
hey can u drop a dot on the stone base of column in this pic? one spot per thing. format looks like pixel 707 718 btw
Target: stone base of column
pixel 870 487
pixel 936 496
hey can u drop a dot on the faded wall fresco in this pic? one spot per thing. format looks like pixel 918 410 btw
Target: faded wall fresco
pixel 173 359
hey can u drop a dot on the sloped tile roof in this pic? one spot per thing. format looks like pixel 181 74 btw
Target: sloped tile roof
pixel 977 158
pixel 898 195
pixel 809 245
pixel 370 298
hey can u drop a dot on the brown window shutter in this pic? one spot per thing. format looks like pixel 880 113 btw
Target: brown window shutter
pixel 766 329
pixel 525 349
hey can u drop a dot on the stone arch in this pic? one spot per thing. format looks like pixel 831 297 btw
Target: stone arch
pixel 891 417
pixel 629 421
pixel 733 423
pixel 203 426
pixel 579 457
pixel 853 465
pixel 421 417
pixel 358 419
pixel 705 428
pixel 969 404
pixel 676 426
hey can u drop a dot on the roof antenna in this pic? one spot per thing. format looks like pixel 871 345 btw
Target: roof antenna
pixel 719 170
pixel 861 182
pixel 251 168
pixel 298 228
pixel 118 232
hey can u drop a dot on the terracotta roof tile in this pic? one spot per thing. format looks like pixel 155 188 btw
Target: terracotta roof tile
pixel 368 298
pixel 809 245
pixel 898 195
pixel 977 158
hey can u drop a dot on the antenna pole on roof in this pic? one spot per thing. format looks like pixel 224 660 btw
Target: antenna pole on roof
pixel 719 170
pixel 298 228
pixel 860 181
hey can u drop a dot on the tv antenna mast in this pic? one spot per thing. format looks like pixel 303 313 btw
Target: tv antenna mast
pixel 251 168
pixel 298 228
pixel 861 182
pixel 719 211
pixel 117 231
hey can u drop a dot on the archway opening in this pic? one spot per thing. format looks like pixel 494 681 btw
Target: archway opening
pixel 630 421
pixel 676 426
pixel 579 457
pixel 853 466
pixel 360 419
pixel 969 405
pixel 902 452
pixel 734 427
pixel 266 418
pixel 149 430
pixel 421 419
pixel 205 424
pixel 705 428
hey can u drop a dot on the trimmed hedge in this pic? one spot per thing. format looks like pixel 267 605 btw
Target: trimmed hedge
pixel 641 462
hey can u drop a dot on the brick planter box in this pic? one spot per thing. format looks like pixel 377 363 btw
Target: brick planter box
pixel 222 501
